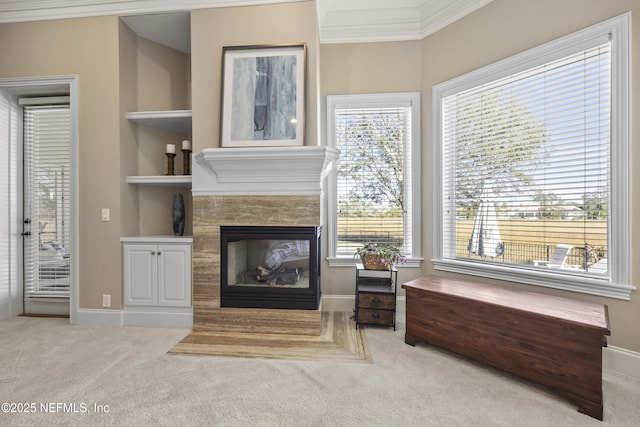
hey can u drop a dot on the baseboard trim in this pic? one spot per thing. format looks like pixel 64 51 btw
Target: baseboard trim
pixel 621 360
pixel 182 319
pixel 158 319
pixel 87 317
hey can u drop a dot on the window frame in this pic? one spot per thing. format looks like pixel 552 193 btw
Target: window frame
pixel 377 99
pixel 618 285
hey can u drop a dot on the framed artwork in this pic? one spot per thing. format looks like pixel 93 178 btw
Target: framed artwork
pixel 263 91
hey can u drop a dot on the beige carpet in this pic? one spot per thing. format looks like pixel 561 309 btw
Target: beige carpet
pixel 127 369
pixel 339 341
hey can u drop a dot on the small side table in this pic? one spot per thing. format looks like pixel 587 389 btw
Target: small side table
pixel 376 293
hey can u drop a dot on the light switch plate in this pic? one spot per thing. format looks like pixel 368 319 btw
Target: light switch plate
pixel 106 214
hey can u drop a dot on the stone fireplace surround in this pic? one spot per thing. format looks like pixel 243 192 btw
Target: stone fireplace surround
pixel 270 186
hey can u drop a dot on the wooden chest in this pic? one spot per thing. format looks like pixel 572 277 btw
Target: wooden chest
pixel 551 340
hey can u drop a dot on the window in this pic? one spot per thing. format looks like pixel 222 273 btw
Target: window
pixel 533 173
pixel 375 191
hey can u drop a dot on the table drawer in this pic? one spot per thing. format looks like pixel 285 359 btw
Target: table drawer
pixel 380 317
pixel 386 302
pixel 374 281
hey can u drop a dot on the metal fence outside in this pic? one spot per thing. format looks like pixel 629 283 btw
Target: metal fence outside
pixel 356 240
pixel 527 253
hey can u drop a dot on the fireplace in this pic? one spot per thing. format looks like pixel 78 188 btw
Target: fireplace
pixel 270 267
pixel 261 187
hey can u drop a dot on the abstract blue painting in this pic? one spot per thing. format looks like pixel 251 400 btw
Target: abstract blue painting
pixel 263 96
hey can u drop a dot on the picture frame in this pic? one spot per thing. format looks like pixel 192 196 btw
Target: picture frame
pixel 263 95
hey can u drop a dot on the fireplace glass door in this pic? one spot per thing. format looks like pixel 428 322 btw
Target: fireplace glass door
pixel 270 267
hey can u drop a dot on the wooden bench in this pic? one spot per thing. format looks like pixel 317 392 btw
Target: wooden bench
pixel 554 341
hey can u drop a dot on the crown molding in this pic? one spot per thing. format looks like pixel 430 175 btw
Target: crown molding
pixel 437 14
pixel 339 21
pixel 365 25
pixel 40 10
pixel 413 20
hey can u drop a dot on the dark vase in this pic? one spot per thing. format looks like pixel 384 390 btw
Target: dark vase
pixel 177 213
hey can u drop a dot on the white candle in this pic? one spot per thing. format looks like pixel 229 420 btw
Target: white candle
pixel 186 145
pixel 171 148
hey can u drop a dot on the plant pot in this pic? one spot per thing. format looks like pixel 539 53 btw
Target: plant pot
pixel 372 262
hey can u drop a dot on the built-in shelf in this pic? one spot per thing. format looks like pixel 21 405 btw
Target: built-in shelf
pixel 175 120
pixel 162 180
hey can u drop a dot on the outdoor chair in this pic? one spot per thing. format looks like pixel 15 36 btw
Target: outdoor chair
pixel 558 257
pixel 600 267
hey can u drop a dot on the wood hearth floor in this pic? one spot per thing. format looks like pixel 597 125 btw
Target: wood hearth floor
pixel 338 341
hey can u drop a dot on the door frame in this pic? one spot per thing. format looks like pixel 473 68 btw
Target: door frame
pixel 39 86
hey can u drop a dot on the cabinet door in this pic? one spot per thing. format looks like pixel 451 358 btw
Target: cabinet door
pixel 140 274
pixel 174 275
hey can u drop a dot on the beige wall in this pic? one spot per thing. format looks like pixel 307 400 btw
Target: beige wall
pixel 496 31
pixel 87 48
pixel 213 29
pixel 370 67
pixel 366 68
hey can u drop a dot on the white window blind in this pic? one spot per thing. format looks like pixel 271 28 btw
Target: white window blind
pixel 375 190
pixel 537 144
pixel 527 164
pixel 373 143
pixel 47 186
pixel 7 198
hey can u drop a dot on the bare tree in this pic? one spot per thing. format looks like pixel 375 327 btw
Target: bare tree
pixel 374 166
pixel 498 138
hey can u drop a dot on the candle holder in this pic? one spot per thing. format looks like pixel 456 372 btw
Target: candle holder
pixel 170 160
pixel 187 162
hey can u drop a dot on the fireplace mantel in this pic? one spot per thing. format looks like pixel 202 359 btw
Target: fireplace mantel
pixel 262 171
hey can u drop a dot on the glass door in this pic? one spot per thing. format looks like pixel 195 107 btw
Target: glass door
pixel 47 203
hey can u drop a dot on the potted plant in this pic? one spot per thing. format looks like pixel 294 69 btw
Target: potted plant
pixel 379 256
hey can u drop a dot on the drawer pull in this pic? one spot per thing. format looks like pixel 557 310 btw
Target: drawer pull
pixel 377 300
pixel 375 315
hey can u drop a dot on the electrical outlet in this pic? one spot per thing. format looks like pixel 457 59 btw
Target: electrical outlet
pixel 106 301
pixel 106 213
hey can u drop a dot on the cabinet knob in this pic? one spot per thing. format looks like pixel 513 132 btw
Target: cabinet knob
pixel 153 252
pixel 377 300
pixel 375 315
pixel 159 253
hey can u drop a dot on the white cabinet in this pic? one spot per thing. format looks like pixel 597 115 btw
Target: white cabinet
pixel 157 281
pixel 140 264
pixel 157 274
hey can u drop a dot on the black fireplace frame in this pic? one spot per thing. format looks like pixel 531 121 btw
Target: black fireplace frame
pixel 271 297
